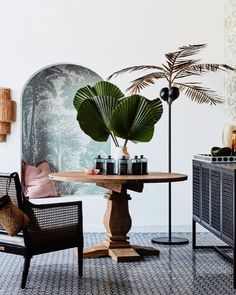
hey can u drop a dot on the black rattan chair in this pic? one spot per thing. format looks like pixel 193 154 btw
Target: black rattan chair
pixel 52 227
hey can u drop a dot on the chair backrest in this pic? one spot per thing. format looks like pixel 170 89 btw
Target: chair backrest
pixel 10 184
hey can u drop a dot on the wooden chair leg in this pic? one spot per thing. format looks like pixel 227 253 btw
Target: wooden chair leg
pixel 80 261
pixel 25 271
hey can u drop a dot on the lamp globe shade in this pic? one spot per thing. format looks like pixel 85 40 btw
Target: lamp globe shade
pixel 164 93
pixel 174 93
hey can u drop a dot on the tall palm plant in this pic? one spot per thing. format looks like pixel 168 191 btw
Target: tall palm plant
pixel 179 65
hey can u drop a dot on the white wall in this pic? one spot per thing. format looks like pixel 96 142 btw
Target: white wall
pixel 105 36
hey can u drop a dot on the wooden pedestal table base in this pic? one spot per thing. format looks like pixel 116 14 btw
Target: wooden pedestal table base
pixel 117 222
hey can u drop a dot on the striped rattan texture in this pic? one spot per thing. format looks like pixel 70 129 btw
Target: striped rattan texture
pixel 6 186
pixel 10 187
pixel 53 227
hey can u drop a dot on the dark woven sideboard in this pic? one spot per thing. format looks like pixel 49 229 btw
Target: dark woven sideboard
pixel 214 205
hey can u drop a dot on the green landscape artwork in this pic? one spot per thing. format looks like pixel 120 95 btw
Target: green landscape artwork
pixel 50 130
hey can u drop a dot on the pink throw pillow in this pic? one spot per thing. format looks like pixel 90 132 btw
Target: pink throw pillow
pixel 36 181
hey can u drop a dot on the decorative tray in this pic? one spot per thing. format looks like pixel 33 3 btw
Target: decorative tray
pixel 211 159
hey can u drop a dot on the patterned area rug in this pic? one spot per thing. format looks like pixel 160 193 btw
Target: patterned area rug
pixel 178 270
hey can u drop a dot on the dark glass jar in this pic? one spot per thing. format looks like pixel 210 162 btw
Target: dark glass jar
pixel 98 163
pixel 144 165
pixel 109 166
pixel 136 166
pixel 123 166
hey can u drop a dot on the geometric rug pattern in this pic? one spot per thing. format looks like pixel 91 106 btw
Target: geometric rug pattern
pixel 178 270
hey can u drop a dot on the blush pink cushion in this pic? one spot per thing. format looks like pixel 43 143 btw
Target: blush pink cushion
pixel 36 181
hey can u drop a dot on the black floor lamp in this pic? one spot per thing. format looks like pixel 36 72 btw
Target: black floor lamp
pixel 169 95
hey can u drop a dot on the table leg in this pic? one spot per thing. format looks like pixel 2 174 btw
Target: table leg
pixel 117 222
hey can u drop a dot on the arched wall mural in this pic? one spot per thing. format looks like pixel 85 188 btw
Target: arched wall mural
pixel 50 130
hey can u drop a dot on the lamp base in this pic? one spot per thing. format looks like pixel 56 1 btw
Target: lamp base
pixel 171 241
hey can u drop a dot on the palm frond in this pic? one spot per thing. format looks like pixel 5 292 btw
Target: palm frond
pixel 199 69
pixel 144 81
pixel 166 69
pixel 183 69
pixel 133 69
pixel 198 93
pixel 184 64
pixel 185 74
pixel 202 68
pixel 175 59
pixel 184 51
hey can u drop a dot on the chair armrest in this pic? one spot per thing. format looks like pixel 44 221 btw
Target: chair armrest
pixel 27 203
pixel 52 200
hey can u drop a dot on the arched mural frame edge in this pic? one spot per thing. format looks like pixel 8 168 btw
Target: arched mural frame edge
pixel 50 131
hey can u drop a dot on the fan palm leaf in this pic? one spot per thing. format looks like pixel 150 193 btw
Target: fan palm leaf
pixel 108 89
pixel 133 119
pixel 99 113
pixel 94 127
pixel 94 115
pixel 100 88
pixel 157 108
pixel 82 94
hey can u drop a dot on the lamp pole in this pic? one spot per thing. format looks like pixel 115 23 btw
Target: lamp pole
pixel 169 95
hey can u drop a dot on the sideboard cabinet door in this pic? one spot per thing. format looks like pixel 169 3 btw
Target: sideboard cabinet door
pixel 205 186
pixel 228 199
pixel 214 198
pixel 196 191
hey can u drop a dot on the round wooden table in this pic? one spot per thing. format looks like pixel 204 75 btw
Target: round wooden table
pixel 117 220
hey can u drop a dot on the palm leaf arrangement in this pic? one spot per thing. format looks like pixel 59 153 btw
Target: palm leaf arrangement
pixel 179 65
pixel 103 111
